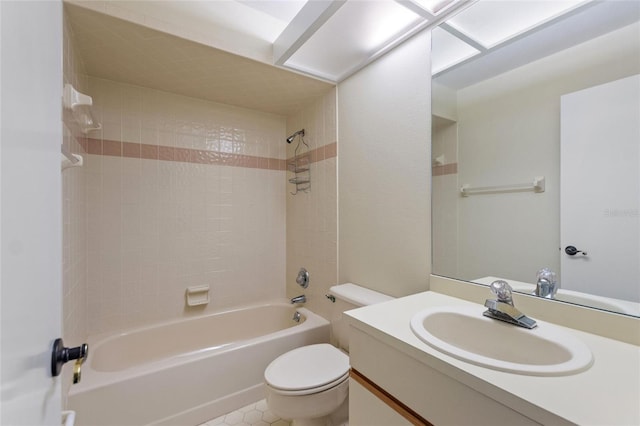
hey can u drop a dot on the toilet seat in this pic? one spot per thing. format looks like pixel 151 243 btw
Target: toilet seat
pixel 307 370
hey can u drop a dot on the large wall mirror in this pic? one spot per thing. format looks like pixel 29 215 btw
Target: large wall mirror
pixel 536 148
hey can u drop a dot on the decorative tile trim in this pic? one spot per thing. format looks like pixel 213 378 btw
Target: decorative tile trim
pixel 198 156
pixel 322 153
pixel 445 169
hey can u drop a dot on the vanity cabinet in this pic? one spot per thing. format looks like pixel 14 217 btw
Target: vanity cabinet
pixel 391 387
pixel 397 369
pixel 368 408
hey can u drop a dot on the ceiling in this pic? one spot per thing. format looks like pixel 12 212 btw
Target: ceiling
pixel 123 51
pixel 464 55
pixel 276 55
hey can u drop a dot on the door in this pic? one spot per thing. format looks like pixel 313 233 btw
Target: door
pixel 30 209
pixel 600 189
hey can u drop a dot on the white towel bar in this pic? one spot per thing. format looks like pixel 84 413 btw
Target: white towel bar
pixel 538 185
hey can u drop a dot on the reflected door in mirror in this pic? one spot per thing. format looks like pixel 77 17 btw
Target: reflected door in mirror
pixel 600 189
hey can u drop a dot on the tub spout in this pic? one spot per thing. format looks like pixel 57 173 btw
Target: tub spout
pixel 299 299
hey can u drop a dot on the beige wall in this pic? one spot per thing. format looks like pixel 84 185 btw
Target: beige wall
pixel 384 118
pixel 509 132
pixel 312 216
pixel 160 220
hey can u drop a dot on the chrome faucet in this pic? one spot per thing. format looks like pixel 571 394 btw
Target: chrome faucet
pixel 546 284
pixel 503 309
pixel 299 299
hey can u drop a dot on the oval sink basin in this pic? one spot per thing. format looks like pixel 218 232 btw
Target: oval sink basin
pixel 464 333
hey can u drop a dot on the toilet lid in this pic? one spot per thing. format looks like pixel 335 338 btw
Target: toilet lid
pixel 307 367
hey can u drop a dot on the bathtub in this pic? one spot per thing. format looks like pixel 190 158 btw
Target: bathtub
pixel 188 371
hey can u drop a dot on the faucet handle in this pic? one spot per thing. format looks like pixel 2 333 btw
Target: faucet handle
pixel 546 283
pixel 548 275
pixel 502 290
pixel 503 308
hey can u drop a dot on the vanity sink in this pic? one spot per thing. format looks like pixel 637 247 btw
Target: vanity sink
pixel 464 333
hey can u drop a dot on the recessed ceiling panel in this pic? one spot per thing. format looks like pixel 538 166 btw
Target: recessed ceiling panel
pixel 448 50
pixel 352 35
pixel 491 22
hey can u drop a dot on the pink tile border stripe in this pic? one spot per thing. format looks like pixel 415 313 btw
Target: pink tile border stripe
pixel 323 153
pixel 445 169
pixel 186 155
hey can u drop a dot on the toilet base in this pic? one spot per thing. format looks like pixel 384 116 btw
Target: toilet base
pixel 330 404
pixel 340 417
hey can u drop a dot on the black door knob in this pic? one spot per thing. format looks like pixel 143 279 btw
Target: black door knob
pixel 60 355
pixel 572 251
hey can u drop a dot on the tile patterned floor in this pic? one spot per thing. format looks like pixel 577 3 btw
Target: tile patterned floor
pixel 256 414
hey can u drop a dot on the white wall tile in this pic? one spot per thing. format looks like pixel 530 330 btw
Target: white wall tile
pixel 311 217
pixel 161 226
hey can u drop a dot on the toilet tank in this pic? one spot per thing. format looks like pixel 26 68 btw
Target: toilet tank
pixel 349 296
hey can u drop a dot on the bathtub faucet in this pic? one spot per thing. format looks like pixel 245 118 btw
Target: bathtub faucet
pixel 299 299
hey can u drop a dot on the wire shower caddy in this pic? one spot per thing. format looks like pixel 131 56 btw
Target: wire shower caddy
pixel 300 165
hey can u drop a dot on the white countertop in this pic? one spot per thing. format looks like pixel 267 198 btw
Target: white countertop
pixel 608 393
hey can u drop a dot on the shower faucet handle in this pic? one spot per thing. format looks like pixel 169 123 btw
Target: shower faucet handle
pixel 303 278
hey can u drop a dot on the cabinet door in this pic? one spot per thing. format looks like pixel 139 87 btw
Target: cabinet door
pixel 370 406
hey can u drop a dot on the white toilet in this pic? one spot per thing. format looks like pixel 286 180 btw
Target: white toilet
pixel 310 384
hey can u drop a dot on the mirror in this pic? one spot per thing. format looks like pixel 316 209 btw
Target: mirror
pixel 535 148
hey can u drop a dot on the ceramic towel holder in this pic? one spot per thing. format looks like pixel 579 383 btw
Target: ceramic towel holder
pixel 197 295
pixel 80 106
pixel 70 160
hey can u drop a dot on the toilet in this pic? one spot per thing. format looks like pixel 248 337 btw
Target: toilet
pixel 310 384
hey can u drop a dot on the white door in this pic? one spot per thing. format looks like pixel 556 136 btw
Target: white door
pixel 600 189
pixel 30 209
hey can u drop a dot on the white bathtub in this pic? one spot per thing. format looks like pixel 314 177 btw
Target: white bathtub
pixel 188 371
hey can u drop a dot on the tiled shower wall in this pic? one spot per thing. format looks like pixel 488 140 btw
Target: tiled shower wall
pixel 181 192
pixel 176 192
pixel 74 207
pixel 312 216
